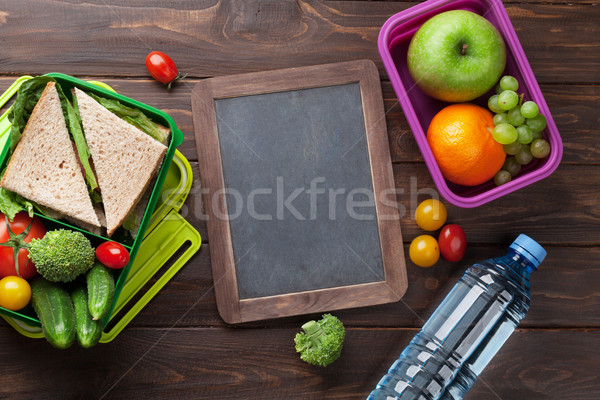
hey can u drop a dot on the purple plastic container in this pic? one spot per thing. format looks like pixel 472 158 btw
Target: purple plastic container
pixel 419 108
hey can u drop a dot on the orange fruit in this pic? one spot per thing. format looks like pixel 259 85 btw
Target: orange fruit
pixel 460 137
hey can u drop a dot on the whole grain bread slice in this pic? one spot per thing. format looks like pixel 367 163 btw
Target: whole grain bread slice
pixel 125 158
pixel 44 167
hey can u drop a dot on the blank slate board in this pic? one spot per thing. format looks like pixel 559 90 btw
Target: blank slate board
pixel 298 191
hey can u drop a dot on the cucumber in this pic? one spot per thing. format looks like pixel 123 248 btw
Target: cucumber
pixel 101 290
pixel 54 308
pixel 89 330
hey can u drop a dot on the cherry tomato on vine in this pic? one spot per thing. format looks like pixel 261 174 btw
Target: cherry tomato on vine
pixel 15 293
pixel 431 215
pixel 424 251
pixel 453 242
pixel 7 261
pixel 162 68
pixel 112 255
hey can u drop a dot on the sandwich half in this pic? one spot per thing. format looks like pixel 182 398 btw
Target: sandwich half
pixel 125 158
pixel 44 167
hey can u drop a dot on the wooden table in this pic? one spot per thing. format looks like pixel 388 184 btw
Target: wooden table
pixel 179 348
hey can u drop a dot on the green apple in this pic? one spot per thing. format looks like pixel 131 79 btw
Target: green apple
pixel 456 56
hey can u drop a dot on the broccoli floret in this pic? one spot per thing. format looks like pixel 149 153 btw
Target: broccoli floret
pixel 61 255
pixel 321 342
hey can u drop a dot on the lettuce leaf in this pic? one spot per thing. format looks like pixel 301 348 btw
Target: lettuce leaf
pixel 74 124
pixel 133 117
pixel 130 222
pixel 11 204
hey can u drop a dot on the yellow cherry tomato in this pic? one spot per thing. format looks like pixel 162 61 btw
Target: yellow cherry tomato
pixel 430 215
pixel 424 251
pixel 15 293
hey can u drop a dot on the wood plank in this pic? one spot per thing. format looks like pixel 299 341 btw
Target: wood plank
pixel 222 363
pixel 561 209
pixel 216 38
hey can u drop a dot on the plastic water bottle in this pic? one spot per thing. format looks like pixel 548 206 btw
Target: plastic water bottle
pixel 467 329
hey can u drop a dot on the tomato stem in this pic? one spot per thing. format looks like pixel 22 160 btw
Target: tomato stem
pixel 178 77
pixel 17 242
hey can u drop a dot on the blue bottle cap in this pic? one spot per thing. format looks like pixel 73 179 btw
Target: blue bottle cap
pixel 530 249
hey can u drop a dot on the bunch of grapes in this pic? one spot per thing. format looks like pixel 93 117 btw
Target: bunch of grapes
pixel 518 126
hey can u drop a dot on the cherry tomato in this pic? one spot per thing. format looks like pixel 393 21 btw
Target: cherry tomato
pixel 424 251
pixel 15 293
pixel 430 215
pixel 7 261
pixel 112 255
pixel 453 243
pixel 162 68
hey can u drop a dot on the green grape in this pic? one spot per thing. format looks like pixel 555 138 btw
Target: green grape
pixel 501 118
pixel 540 148
pixel 499 88
pixel 511 166
pixel 525 134
pixel 514 116
pixel 493 104
pixel 524 156
pixel 513 148
pixel 537 135
pixel 502 177
pixel 529 109
pixel 508 99
pixel 505 133
pixel 537 123
pixel 509 83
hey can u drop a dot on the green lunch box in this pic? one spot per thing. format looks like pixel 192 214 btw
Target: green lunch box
pixel 163 233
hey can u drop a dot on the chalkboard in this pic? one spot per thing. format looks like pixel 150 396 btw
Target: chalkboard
pixel 295 166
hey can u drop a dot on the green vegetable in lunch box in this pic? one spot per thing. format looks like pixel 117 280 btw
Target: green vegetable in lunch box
pixel 61 255
pixel 54 308
pixel 101 290
pixel 134 117
pixel 11 204
pixel 321 342
pixel 83 151
pixel 130 222
pixel 89 330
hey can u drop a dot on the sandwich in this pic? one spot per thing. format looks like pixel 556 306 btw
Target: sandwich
pixel 90 162
pixel 125 158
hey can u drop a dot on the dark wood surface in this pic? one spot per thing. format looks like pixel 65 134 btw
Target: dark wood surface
pixel 179 348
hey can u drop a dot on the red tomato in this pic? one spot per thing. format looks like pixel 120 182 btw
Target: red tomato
pixel 453 243
pixel 7 261
pixel 162 68
pixel 112 255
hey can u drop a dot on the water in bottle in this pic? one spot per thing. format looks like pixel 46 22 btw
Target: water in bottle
pixel 466 330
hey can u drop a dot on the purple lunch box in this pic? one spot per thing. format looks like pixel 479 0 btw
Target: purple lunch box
pixel 419 108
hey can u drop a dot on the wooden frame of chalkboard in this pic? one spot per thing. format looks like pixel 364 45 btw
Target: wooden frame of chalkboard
pixel 392 285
